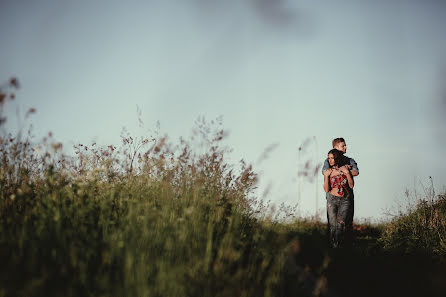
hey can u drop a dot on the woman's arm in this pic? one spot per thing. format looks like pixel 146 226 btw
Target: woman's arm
pixel 351 183
pixel 326 180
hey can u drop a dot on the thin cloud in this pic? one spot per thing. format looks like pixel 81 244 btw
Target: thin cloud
pixel 280 15
pixel 275 12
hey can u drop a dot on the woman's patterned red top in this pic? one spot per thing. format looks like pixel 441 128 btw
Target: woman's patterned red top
pixel 339 182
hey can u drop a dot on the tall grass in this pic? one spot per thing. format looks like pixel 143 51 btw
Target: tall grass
pixel 419 229
pixel 152 217
pixel 149 218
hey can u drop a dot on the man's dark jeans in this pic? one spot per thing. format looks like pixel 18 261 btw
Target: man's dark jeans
pixel 349 233
pixel 338 212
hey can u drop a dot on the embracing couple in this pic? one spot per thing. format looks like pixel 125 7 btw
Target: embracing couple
pixel 338 171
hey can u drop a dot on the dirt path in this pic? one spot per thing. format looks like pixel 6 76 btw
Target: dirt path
pixel 361 271
pixel 366 270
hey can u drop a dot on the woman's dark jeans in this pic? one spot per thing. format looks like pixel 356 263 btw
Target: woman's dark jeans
pixel 337 210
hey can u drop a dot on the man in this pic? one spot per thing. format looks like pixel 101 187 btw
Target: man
pixel 350 163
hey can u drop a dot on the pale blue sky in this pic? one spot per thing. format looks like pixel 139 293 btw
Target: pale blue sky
pixel 372 72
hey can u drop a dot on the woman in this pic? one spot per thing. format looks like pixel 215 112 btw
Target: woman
pixel 338 183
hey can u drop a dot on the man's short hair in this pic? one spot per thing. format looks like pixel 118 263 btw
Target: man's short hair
pixel 337 140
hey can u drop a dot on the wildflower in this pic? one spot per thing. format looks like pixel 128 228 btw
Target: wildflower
pixel 13 82
pixel 57 146
pixel 30 111
pixel 38 149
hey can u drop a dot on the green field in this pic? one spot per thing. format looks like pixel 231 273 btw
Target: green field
pixel 154 218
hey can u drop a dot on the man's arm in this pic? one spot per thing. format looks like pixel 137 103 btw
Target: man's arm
pixel 326 166
pixel 354 170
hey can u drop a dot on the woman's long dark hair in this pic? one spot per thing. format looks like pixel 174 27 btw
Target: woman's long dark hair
pixel 338 157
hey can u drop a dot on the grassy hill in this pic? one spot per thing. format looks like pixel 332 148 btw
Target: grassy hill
pixel 151 218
